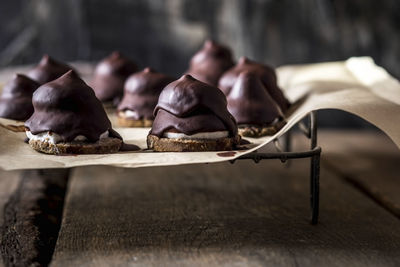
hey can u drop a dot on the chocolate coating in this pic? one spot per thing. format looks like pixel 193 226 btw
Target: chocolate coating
pixel 141 92
pixel 16 98
pixel 266 74
pixel 190 106
pixel 250 103
pixel 208 64
pixel 110 76
pixel 48 69
pixel 68 107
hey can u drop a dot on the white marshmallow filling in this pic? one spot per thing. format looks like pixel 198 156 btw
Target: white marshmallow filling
pixel 54 138
pixel 201 135
pixel 128 114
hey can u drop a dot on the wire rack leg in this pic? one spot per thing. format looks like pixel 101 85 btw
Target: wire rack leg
pixel 288 141
pixel 314 154
pixel 288 145
pixel 314 170
pixel 314 188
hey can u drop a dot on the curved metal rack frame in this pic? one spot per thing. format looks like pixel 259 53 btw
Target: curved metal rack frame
pixel 314 153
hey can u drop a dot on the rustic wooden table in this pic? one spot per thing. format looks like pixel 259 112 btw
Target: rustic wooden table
pixel 243 214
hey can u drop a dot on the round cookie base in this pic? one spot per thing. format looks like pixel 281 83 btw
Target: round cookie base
pixel 260 131
pixel 124 122
pixel 103 146
pixel 191 145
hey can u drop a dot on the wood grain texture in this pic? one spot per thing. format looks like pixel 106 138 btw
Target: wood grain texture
pixel 165 33
pixel 220 215
pixel 8 184
pixel 32 217
pixel 370 161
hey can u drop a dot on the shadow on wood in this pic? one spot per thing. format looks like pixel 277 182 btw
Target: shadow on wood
pixel 32 218
pixel 204 215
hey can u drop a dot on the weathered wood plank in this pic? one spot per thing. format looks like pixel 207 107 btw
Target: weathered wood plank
pixel 8 184
pixel 220 214
pixel 370 161
pixel 32 217
pixel 164 34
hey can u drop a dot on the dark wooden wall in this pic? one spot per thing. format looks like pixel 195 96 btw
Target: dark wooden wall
pixel 165 33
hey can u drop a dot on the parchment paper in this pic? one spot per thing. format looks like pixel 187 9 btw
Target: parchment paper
pixel 357 86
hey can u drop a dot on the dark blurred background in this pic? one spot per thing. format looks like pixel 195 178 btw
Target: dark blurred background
pixel 164 34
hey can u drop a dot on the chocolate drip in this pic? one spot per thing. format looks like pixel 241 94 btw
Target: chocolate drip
pixel 208 64
pixel 198 123
pixel 141 92
pixel 110 76
pixel 266 74
pixel 69 107
pixel 250 103
pixel 191 106
pixel 48 70
pixel 16 98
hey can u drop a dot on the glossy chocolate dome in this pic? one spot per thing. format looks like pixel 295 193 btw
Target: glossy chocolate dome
pixel 208 64
pixel 190 106
pixel 141 92
pixel 48 70
pixel 16 98
pixel 68 107
pixel 266 74
pixel 250 103
pixel 110 76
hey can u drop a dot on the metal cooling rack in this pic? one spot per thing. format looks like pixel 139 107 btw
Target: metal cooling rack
pixel 310 131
